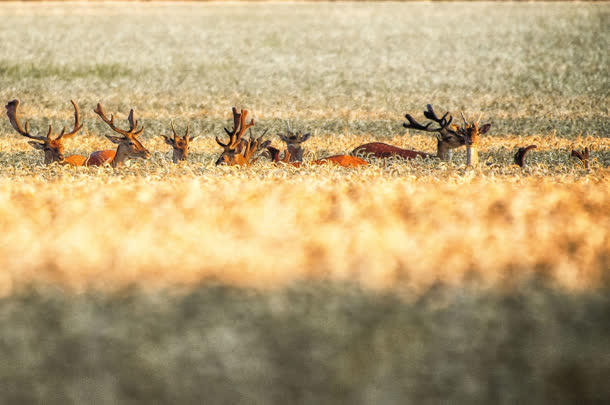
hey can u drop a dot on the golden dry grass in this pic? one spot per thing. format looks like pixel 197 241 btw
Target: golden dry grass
pixel 540 74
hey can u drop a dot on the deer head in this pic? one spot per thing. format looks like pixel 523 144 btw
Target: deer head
pixel 294 141
pixel 179 144
pixel 448 137
pixel 239 152
pixel 53 148
pixel 472 134
pixel 129 147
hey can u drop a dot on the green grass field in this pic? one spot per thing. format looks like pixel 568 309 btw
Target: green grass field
pixel 401 282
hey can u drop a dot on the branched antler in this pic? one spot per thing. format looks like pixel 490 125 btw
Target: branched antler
pixel 254 144
pixel 77 125
pixel 133 125
pixel 239 129
pixel 431 115
pixel 11 112
pixel 13 117
pixel 520 155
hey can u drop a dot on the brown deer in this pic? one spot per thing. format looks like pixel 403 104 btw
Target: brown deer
pixel 239 152
pixel 339 160
pixel 520 155
pixel 53 148
pixel 294 143
pixel 472 134
pixel 582 156
pixel 129 147
pixel 180 145
pixel 448 138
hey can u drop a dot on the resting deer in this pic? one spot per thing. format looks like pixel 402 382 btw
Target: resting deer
pixel 180 145
pixel 239 152
pixel 448 138
pixel 472 134
pixel 340 160
pixel 129 147
pixel 294 143
pixel 53 148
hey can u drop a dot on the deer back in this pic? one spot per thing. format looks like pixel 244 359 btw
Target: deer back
pixel 383 150
pixel 342 160
pixel 100 158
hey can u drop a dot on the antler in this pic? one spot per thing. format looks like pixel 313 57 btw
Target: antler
pixel 253 144
pixel 239 128
pixel 133 125
pixel 430 114
pixel 11 112
pixel 186 134
pixel 520 155
pixel 583 157
pixel 77 125
pixel 176 136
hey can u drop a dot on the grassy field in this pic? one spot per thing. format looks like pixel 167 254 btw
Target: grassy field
pixel 401 280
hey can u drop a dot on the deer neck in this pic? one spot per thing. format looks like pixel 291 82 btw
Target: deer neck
pixel 120 157
pixel 296 153
pixel 443 151
pixel 178 156
pixel 49 158
pixel 472 155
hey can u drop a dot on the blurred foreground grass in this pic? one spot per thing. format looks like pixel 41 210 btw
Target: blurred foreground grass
pixel 312 343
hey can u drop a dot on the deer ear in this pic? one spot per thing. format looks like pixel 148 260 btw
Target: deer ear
pixel 265 144
pixel 192 138
pixel 114 139
pixel 283 137
pixel 484 128
pixel 36 145
pixel 168 140
pixel 305 137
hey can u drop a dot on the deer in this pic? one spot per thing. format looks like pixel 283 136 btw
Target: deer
pixel 239 152
pixel 53 148
pixel 180 145
pixel 294 143
pixel 582 156
pixel 520 155
pixel 129 147
pixel 448 138
pixel 472 134
pixel 294 152
pixel 339 160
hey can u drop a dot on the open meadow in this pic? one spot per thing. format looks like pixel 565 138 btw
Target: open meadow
pixel 400 282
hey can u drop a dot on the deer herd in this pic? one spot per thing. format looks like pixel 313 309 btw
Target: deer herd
pixel 244 152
